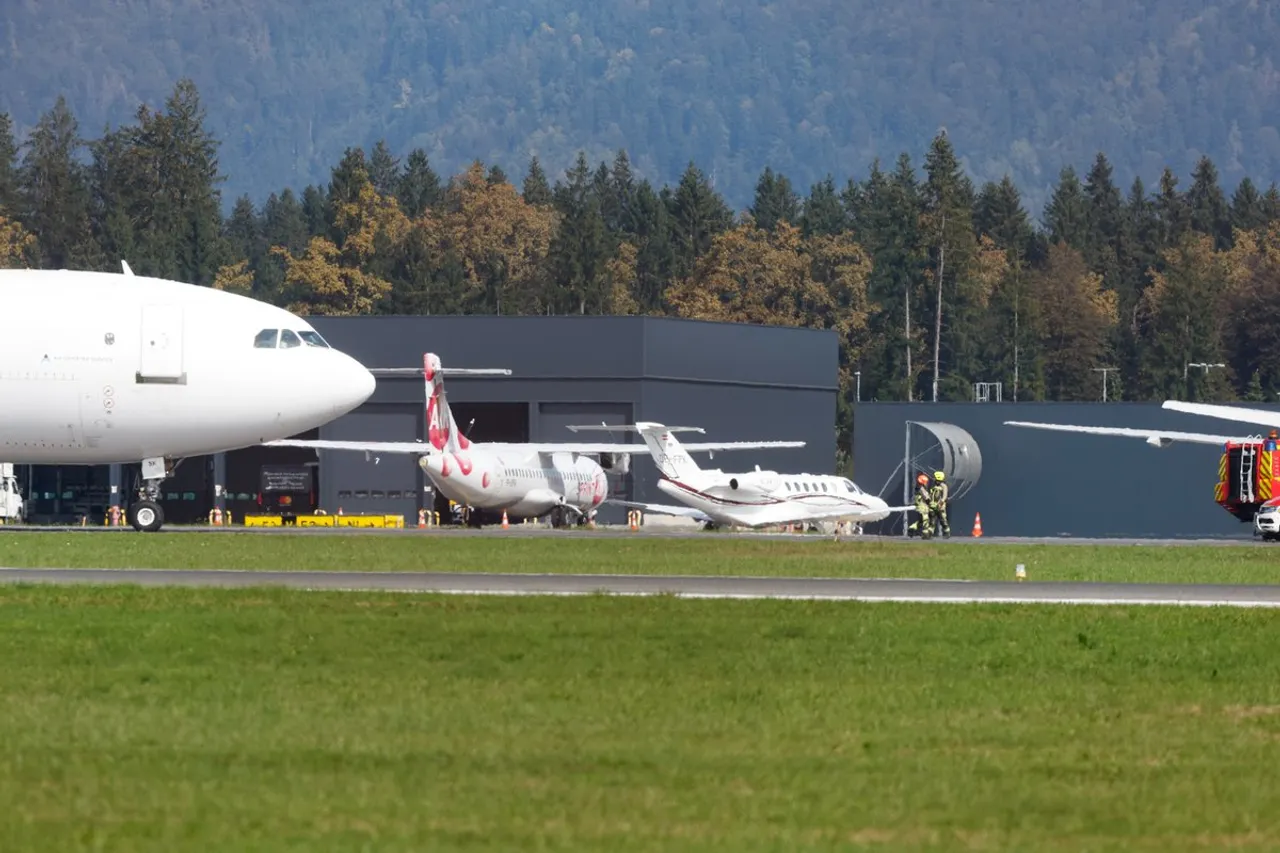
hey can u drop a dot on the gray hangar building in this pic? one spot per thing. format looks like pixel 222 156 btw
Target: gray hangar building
pixel 1040 483
pixel 738 382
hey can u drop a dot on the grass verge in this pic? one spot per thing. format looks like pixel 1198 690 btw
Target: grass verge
pixel 711 555
pixel 270 720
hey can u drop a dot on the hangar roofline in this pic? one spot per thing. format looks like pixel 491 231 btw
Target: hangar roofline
pixel 580 318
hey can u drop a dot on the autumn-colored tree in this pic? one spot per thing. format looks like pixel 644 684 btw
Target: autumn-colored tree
pixel 1078 316
pixel 331 279
pixel 235 278
pixel 750 275
pixel 330 287
pixel 16 245
pixel 620 281
pixel 500 239
pixel 1252 273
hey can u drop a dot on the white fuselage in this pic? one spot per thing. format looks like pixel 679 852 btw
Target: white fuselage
pixel 524 484
pixel 764 498
pixel 99 368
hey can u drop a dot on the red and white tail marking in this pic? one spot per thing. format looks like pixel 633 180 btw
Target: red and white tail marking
pixel 442 429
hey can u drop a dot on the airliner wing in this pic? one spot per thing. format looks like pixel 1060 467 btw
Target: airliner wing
pixel 416 448
pixel 591 449
pixel 1154 437
pixel 1226 413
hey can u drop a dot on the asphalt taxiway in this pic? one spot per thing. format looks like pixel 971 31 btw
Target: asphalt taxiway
pixel 837 589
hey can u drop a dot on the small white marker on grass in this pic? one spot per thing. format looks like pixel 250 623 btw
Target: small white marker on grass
pixel 1020 572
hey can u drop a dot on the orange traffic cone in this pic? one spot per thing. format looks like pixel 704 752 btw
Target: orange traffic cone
pixel 977 524
pixel 505 523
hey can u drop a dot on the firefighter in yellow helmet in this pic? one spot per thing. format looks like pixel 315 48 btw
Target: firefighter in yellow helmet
pixel 938 496
pixel 924 509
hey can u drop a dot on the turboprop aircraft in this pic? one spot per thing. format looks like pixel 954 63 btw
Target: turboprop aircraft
pixel 753 498
pixel 523 479
pixel 99 368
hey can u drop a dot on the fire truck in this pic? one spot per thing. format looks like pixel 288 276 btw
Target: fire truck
pixel 1248 476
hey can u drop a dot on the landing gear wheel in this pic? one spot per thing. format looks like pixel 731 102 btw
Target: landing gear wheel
pixel 146 516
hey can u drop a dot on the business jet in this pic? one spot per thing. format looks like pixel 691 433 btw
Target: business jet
pixel 522 479
pixel 753 498
pixel 99 368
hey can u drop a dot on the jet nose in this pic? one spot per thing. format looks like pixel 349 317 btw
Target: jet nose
pixel 352 384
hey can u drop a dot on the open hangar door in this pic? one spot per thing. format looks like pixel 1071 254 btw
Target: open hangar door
pixel 554 420
pixel 244 469
pixel 929 447
pixel 373 483
pixel 481 422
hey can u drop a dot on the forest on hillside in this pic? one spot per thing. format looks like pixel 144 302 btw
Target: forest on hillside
pixel 931 282
pixel 808 88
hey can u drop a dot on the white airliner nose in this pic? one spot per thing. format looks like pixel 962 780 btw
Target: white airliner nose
pixel 350 384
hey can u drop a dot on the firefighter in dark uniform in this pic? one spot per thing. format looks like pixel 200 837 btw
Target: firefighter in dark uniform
pixel 938 496
pixel 924 510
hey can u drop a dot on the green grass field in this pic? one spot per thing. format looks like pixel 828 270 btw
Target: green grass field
pixel 713 555
pixel 158 720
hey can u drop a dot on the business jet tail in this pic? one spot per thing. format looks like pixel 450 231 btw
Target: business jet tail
pixel 668 455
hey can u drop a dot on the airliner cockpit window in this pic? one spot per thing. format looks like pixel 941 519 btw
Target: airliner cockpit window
pixel 313 339
pixel 266 339
pixel 850 486
pixel 288 340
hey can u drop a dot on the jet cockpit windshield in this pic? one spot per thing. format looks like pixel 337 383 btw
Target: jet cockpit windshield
pixel 852 487
pixel 288 339
pixel 312 339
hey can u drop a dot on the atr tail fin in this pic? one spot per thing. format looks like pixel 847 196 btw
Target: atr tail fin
pixel 672 459
pixel 442 429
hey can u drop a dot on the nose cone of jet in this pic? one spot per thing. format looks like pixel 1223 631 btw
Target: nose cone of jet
pixel 350 384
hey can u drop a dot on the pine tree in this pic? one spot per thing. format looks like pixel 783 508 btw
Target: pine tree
pixel 536 190
pixel 1066 217
pixel 55 192
pixel 419 188
pixel 315 210
pixel 579 250
pixel 1172 213
pixel 9 185
pixel 496 175
pixel 775 201
pixel 384 170
pixel 1247 211
pixel 1104 222
pixel 1209 212
pixel 999 214
pixel 948 210
pixel 698 214
pixel 823 213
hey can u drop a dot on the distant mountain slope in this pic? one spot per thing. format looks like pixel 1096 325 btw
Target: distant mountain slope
pixel 806 87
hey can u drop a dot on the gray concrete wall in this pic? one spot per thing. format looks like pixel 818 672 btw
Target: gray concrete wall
pixel 1039 483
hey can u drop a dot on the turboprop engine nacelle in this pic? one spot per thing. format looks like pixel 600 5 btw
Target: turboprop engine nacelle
pixel 616 463
pixel 765 481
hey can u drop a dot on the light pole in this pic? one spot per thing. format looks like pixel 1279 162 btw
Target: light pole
pixel 858 392
pixel 1104 371
pixel 1203 365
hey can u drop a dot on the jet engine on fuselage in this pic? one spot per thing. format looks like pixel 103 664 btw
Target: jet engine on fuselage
pixel 761 481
